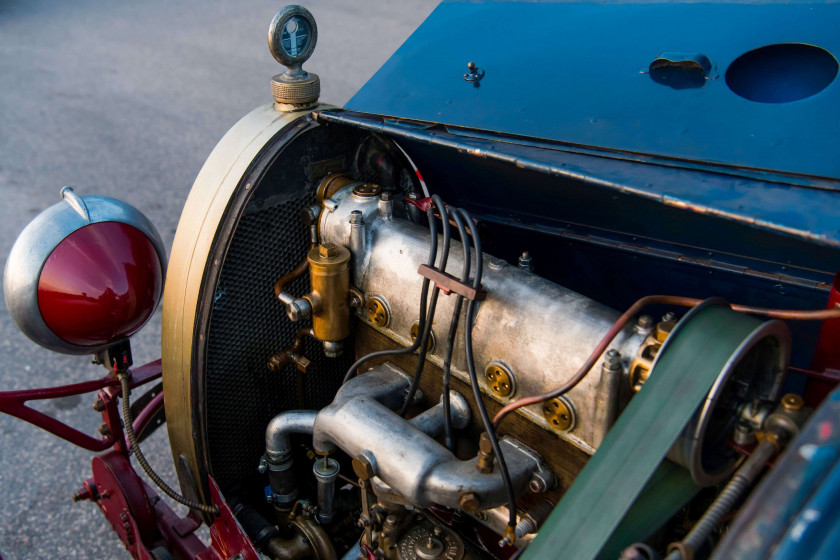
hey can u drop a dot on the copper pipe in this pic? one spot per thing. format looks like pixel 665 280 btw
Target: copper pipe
pixel 830 375
pixel 297 272
pixel 790 314
pixel 301 334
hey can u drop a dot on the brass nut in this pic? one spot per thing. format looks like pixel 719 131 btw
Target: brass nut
pixel 276 362
pixel 663 330
pixel 485 458
pixel 301 362
pixel 484 464
pixel 469 502
pixel 355 298
pixel 500 379
pixel 484 443
pixel 363 467
pixel 377 311
pixel 430 344
pixel 792 402
pixel 559 414
pixel 327 250
pixel 644 323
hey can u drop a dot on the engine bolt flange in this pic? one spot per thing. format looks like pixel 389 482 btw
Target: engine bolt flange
pixel 377 311
pixel 430 344
pixel 500 379
pixel 367 190
pixel 560 414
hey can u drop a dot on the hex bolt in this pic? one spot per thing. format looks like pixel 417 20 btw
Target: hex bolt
pixel 329 250
pixel 363 467
pixel 356 217
pixel 386 197
pixel 99 405
pixel 298 309
pixel 104 430
pixel 612 359
pixel 670 316
pixel 391 520
pixel 644 324
pixel 526 262
pixel 469 502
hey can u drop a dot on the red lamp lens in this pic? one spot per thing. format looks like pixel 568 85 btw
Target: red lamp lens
pixel 100 284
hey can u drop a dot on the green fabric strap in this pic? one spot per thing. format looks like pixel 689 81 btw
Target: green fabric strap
pixel 609 484
pixel 668 490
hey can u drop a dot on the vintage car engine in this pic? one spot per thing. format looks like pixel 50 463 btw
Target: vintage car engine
pixel 369 267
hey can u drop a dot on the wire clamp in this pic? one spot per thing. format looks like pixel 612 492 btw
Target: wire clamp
pixel 448 284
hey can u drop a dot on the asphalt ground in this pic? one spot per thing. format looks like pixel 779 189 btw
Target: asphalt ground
pixel 127 99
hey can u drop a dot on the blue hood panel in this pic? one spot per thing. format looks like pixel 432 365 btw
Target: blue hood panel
pixel 580 74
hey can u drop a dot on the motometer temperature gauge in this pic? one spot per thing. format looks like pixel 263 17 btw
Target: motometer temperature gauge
pixel 291 39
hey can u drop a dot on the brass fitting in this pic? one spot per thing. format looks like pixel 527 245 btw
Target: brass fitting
pixel 292 354
pixel 331 184
pixel 643 361
pixel 285 357
pixel 792 402
pixel 363 467
pixel 329 271
pixel 484 465
pixel 784 423
pixel 469 502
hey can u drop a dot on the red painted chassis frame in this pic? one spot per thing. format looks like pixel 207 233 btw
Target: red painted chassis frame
pixel 142 521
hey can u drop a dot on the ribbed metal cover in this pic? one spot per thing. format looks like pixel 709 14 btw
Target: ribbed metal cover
pixel 247 326
pixel 296 92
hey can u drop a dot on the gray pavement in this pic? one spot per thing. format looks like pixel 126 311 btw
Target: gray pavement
pixel 127 99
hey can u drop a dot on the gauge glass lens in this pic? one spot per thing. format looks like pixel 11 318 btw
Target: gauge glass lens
pixel 295 36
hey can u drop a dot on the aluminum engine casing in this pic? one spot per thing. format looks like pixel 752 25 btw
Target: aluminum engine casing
pixel 540 331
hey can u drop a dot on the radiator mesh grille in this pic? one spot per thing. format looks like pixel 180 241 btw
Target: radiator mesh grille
pixel 247 326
